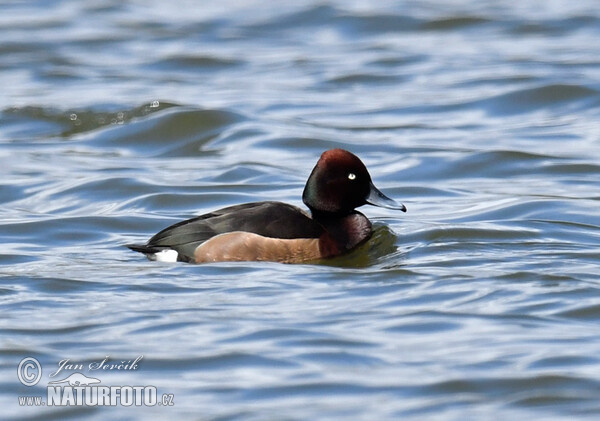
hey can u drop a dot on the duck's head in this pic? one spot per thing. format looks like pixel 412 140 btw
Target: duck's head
pixel 340 183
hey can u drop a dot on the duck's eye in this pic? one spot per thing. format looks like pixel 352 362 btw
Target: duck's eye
pixel 351 176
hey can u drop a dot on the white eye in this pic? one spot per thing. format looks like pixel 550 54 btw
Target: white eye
pixel 351 176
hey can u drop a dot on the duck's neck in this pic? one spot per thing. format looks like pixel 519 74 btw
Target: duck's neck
pixel 343 232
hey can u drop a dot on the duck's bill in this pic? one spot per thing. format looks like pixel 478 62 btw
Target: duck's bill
pixel 376 198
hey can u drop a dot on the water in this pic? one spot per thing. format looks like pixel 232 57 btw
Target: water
pixel 482 302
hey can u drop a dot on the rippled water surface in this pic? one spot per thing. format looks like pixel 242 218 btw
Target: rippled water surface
pixel 119 118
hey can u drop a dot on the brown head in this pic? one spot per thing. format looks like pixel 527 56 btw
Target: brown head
pixel 340 183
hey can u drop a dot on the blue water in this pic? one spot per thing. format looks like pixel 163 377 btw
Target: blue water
pixel 481 302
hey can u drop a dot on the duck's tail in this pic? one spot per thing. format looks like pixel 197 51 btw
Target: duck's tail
pixel 144 248
pixel 155 253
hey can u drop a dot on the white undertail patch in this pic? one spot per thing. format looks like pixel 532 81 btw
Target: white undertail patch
pixel 168 256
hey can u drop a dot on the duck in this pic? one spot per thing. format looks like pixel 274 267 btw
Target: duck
pixel 276 231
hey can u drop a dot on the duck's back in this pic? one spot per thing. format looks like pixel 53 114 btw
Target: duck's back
pixel 267 219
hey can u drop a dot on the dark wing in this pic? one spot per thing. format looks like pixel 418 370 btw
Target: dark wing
pixel 269 219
